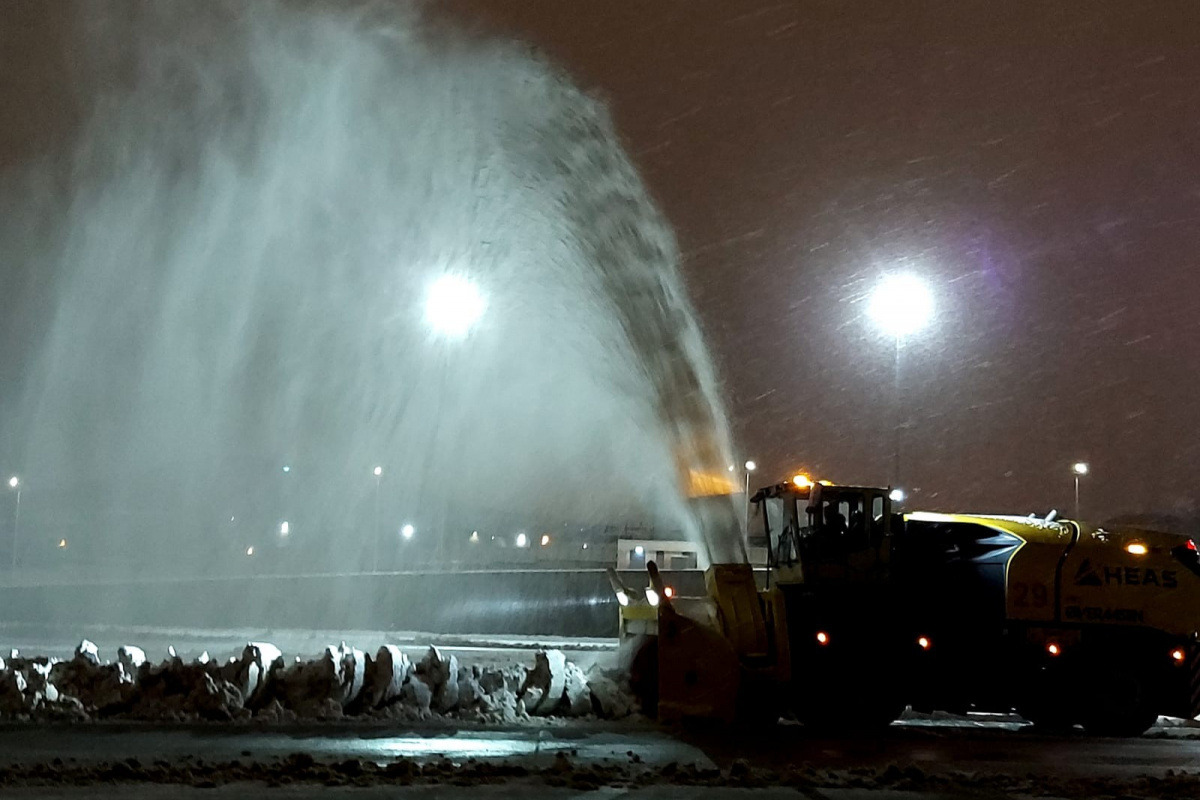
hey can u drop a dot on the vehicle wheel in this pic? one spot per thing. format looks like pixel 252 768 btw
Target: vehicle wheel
pixel 1049 704
pixel 848 717
pixel 842 708
pixel 1120 702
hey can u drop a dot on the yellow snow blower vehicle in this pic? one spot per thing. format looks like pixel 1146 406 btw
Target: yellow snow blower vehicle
pixel 861 612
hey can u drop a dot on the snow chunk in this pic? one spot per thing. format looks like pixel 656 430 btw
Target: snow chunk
pixel 441 674
pixel 578 696
pixel 417 694
pixel 545 683
pixel 131 658
pixel 252 672
pixel 385 676
pixel 86 651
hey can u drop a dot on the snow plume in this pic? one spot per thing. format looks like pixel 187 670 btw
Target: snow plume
pixel 235 276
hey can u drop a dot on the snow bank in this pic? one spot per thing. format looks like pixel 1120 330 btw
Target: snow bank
pixel 259 684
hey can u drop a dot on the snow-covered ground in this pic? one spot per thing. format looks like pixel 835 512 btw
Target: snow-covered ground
pixel 589 759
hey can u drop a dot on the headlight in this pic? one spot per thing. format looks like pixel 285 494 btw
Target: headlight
pixel 622 598
pixel 651 596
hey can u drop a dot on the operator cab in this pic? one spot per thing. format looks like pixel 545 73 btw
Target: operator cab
pixel 817 532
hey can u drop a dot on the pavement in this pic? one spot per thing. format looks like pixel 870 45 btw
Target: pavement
pixel 589 759
pixel 450 792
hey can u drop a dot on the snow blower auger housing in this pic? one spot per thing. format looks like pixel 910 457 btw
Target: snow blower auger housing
pixel 860 612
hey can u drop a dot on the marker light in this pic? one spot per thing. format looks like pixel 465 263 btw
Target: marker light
pixel 802 481
pixel 924 643
pixel 1053 649
pixel 651 596
pixel 1191 545
pixel 1178 655
pixel 669 592
pixel 622 598
pixel 1137 549
pixel 822 637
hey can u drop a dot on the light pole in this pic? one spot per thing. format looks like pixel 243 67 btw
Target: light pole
pixel 901 305
pixel 378 473
pixel 14 483
pixel 750 467
pixel 1078 469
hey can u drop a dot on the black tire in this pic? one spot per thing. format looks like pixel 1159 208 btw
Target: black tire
pixel 1120 702
pixel 867 717
pixel 1049 702
pixel 844 703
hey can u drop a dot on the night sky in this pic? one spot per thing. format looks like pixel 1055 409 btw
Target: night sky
pixel 1038 163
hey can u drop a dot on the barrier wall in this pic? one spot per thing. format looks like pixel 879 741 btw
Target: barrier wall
pixel 548 603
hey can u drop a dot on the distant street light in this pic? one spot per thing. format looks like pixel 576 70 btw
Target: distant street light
pixel 407 530
pixel 453 306
pixel 250 550
pixel 522 540
pixel 14 483
pixel 284 528
pixel 897 495
pixel 1078 469
pixel 901 306
pixel 545 540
